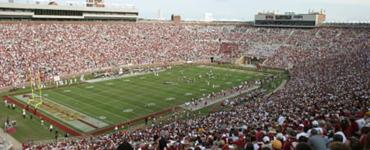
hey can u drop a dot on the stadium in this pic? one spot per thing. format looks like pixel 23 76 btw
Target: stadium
pixel 97 77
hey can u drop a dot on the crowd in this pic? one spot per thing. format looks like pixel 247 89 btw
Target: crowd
pixel 325 105
pixel 302 45
pixel 70 48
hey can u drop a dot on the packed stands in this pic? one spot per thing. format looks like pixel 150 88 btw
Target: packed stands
pixel 326 98
pixel 330 107
pixel 53 46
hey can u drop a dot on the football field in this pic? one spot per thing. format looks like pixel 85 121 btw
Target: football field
pixel 90 106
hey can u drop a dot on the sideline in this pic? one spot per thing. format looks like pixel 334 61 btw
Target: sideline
pixel 119 77
pixel 225 69
pixel 281 86
pixel 232 95
pixel 211 102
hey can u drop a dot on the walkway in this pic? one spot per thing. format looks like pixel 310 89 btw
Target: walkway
pixel 15 144
pixel 214 101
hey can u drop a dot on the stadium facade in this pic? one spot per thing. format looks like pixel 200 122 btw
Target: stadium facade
pixel 9 11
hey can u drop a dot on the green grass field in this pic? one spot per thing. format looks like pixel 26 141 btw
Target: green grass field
pixel 114 101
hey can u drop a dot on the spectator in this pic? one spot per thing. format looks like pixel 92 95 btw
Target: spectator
pixel 339 146
pixel 317 141
pixel 324 93
pixel 303 146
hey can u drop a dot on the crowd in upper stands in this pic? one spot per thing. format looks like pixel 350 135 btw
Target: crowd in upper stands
pixel 70 48
pixel 324 105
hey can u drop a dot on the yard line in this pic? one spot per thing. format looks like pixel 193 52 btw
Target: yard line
pixel 71 107
pixel 85 105
pixel 125 97
pixel 139 96
pixel 111 99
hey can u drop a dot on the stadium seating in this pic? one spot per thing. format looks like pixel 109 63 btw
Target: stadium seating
pixel 98 45
pixel 327 94
pixel 333 104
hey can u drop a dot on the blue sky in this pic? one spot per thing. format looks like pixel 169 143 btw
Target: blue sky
pixel 336 10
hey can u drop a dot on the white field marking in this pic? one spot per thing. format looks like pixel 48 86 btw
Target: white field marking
pixel 89 87
pixel 213 101
pixel 203 89
pixel 102 117
pixel 150 104
pixel 188 94
pixel 171 83
pixel 120 77
pixel 109 83
pixel 127 110
pixel 66 91
pixel 69 109
pixel 230 69
pixel 170 99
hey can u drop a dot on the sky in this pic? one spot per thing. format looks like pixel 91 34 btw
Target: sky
pixel 336 10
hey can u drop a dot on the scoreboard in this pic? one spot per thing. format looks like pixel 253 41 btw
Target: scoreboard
pixel 312 19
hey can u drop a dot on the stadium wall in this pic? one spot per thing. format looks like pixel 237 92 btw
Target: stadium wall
pixel 137 120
